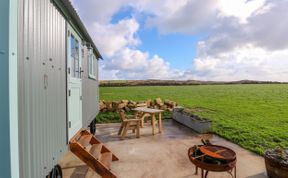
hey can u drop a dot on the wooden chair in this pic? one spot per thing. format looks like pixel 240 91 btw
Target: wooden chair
pixel 142 115
pixel 129 124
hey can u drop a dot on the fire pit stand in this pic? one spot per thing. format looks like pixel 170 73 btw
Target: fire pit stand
pixel 213 158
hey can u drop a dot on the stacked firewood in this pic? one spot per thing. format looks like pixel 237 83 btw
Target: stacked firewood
pixel 128 105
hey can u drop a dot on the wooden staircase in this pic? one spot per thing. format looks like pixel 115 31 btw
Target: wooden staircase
pixel 92 152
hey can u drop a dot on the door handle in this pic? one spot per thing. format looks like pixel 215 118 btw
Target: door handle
pixel 45 81
pixel 81 71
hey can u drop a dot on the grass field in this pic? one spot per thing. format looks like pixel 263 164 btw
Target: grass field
pixel 253 116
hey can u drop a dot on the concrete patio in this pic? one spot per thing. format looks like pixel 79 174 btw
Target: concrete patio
pixel 160 156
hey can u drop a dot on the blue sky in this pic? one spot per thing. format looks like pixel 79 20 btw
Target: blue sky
pixel 189 39
pixel 178 49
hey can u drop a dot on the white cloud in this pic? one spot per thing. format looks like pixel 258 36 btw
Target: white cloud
pixel 118 42
pixel 135 64
pixel 92 11
pixel 265 29
pixel 241 9
pixel 111 38
pixel 128 59
pixel 246 39
pixel 247 62
pixel 190 17
pixel 256 49
pixel 107 74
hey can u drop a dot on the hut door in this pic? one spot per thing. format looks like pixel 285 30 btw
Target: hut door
pixel 74 81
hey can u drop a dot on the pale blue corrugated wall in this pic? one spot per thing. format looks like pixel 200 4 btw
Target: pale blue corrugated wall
pixel 90 92
pixel 13 88
pixel 4 90
pixel 42 103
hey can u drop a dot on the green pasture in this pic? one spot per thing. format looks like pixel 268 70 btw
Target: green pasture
pixel 253 116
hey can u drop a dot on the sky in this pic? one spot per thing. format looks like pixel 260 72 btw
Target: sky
pixel 219 40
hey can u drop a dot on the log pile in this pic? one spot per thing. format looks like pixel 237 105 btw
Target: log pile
pixel 128 105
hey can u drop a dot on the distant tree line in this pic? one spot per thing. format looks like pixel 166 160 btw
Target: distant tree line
pixel 121 83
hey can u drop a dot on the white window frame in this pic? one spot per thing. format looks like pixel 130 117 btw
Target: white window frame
pixel 75 58
pixel 92 66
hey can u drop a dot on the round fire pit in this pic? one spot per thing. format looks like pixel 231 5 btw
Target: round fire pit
pixel 212 158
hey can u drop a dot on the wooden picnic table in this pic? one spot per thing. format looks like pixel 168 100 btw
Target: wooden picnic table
pixel 151 112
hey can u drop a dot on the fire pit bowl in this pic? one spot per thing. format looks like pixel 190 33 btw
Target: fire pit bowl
pixel 210 163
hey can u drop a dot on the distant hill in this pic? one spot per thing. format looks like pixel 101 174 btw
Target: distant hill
pixel 119 83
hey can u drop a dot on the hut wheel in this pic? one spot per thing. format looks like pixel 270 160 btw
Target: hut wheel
pixel 93 127
pixel 56 172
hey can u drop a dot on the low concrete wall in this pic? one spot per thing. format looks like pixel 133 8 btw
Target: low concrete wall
pixel 200 126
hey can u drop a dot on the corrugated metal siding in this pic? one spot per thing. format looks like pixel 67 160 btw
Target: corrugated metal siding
pixel 90 92
pixel 42 112
pixel 5 165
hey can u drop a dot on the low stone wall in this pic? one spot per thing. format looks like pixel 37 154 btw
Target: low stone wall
pixel 128 105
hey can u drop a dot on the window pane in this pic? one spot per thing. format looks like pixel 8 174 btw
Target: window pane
pixel 72 51
pixel 82 51
pixel 94 65
pixel 90 64
pixel 72 45
pixel 76 60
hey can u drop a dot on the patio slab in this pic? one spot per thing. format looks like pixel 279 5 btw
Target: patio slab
pixel 160 156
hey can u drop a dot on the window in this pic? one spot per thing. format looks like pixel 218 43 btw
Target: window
pixel 82 51
pixel 95 67
pixel 92 65
pixel 75 66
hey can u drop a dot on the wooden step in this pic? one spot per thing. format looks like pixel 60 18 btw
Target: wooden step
pixel 92 152
pixel 106 159
pixel 95 150
pixel 85 140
